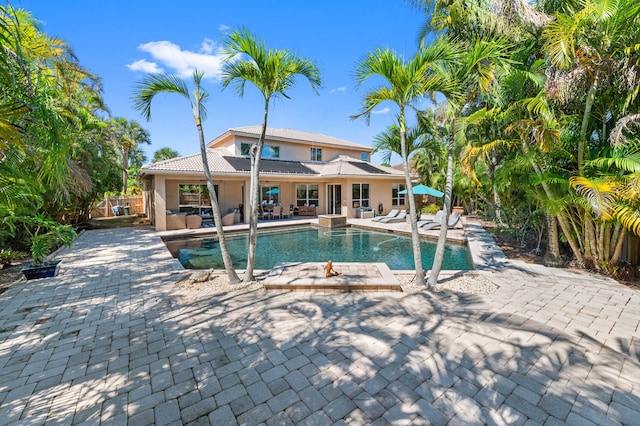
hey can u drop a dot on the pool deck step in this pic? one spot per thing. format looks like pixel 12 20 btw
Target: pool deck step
pixel 310 276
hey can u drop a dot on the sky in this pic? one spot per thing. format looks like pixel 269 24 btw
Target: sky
pixel 123 40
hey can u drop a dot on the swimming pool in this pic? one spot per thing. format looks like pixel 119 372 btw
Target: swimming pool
pixel 311 244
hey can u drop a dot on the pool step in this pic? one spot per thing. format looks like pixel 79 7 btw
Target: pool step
pixel 310 276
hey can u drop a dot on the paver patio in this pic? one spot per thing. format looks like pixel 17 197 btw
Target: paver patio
pixel 111 340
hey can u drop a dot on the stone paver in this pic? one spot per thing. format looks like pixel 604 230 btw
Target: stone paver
pixel 111 340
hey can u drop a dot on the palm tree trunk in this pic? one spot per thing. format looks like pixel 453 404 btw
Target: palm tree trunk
pixel 618 248
pixel 561 219
pixel 604 237
pixel 591 96
pixel 442 238
pixel 552 254
pixel 613 240
pixel 125 170
pixel 415 236
pixel 215 208
pixel 496 195
pixel 592 248
pixel 254 198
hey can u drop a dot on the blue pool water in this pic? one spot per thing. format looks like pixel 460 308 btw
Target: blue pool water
pixel 316 245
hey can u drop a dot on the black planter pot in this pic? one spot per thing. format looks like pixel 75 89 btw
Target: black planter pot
pixel 41 271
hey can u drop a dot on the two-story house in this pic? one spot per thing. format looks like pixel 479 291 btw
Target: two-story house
pixel 330 175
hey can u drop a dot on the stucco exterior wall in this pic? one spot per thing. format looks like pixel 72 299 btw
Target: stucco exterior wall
pixel 290 151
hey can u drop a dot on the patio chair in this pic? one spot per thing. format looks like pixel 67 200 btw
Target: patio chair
pixel 437 218
pixel 453 221
pixel 401 217
pixel 392 213
pixel 277 211
pixel 261 213
pixel 228 219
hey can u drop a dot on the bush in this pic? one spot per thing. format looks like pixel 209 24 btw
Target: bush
pixel 430 209
pixel 45 235
pixel 9 256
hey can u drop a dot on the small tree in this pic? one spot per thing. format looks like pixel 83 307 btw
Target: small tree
pixel 44 234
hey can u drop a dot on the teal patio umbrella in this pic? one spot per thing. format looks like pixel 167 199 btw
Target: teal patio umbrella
pixel 273 191
pixel 423 190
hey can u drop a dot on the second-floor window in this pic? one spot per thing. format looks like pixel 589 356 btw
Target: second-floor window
pixel 364 156
pixel 397 199
pixel 268 151
pixel 316 154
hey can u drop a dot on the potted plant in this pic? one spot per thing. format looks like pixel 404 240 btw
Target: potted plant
pixel 45 234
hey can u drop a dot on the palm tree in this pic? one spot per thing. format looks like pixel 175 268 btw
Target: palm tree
pixel 155 84
pixel 418 138
pixel 591 42
pixel 470 77
pixel 165 153
pixel 273 73
pixel 405 84
pixel 127 135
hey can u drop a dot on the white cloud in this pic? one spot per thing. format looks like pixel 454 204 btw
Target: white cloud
pixel 182 62
pixel 338 89
pixel 144 66
pixel 381 111
pixel 208 46
pixel 223 27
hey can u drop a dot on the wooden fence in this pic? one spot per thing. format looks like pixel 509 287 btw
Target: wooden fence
pixel 108 206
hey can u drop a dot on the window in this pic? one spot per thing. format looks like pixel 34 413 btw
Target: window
pixel 397 199
pixel 194 198
pixel 364 156
pixel 360 195
pixel 316 154
pixel 307 195
pixel 268 151
pixel 269 194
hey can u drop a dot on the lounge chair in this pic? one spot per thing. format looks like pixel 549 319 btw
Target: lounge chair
pixel 401 217
pixel 392 213
pixel 453 221
pixel 437 218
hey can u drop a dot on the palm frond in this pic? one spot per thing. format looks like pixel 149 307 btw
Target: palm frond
pixel 628 216
pixel 626 161
pixel 600 194
pixel 628 123
pixel 153 85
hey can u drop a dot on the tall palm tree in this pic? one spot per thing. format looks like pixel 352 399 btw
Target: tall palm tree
pixel 406 83
pixel 155 84
pixel 273 72
pixel 127 135
pixel 475 73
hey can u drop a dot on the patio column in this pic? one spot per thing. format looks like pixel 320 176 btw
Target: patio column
pixel 160 201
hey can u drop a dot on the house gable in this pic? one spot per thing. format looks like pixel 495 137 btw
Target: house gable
pixel 289 144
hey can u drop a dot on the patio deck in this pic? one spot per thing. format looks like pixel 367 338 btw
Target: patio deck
pixel 111 340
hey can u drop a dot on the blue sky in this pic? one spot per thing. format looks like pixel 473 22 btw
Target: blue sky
pixel 122 40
